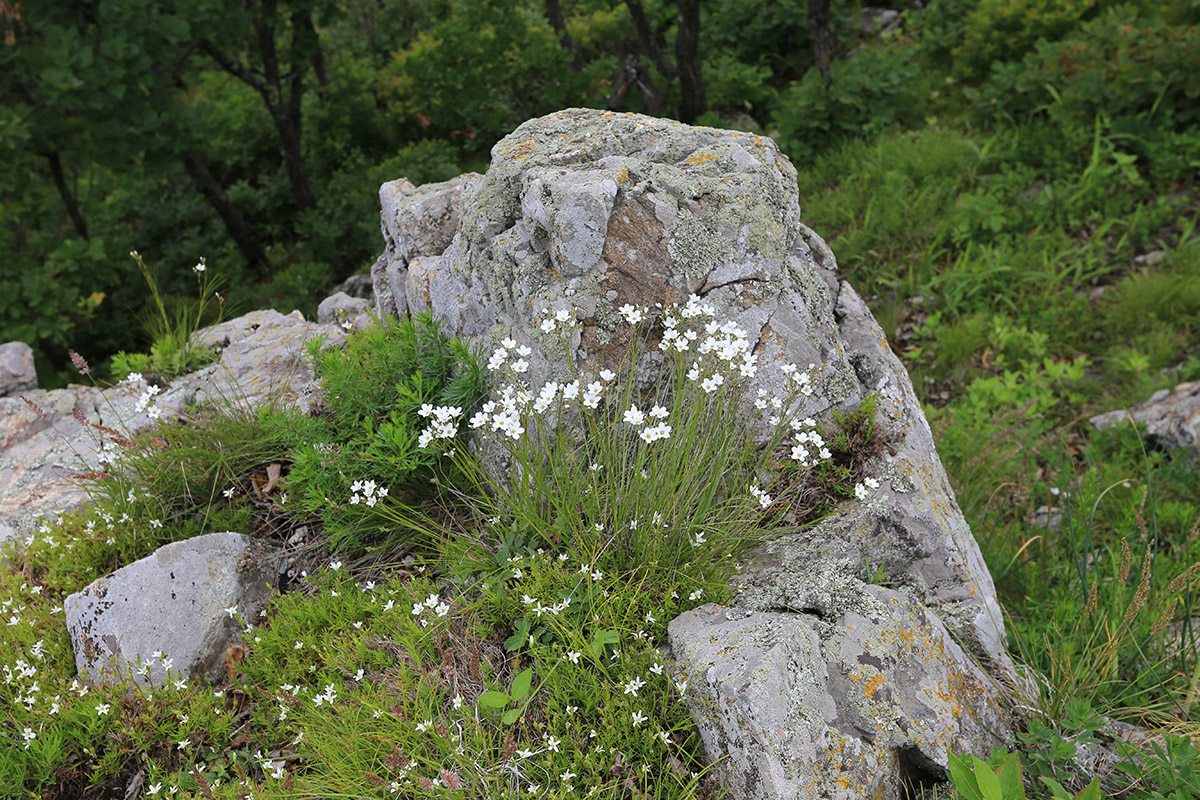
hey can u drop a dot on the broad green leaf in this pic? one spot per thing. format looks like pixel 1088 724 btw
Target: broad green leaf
pixel 1056 788
pixel 521 685
pixel 1092 792
pixel 512 715
pixel 989 784
pixel 494 699
pixel 1010 778
pixel 963 778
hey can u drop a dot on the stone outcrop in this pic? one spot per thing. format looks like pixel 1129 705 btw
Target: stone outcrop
pixel 1171 417
pixel 180 601
pixel 863 701
pixel 585 211
pixel 53 437
pixel 17 371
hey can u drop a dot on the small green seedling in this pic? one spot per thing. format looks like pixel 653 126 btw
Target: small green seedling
pixel 520 691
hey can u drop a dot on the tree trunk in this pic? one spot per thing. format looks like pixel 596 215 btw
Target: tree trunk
pixel 64 191
pixel 692 103
pixel 554 14
pixel 820 33
pixel 306 38
pixel 634 74
pixel 284 106
pixel 647 41
pixel 242 232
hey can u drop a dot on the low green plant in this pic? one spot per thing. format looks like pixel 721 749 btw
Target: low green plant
pixel 1169 771
pixel 374 389
pixel 171 324
pixel 974 779
pixel 502 700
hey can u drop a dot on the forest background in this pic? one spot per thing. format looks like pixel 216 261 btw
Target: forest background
pixel 1011 183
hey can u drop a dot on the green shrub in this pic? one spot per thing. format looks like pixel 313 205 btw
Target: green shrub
pixel 863 96
pixel 1007 29
pixel 374 389
pixel 1132 70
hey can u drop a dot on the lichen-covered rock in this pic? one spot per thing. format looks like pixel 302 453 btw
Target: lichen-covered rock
pixel 1171 417
pixel 17 371
pixel 416 223
pixel 863 701
pixel 47 441
pixel 342 309
pixel 586 211
pixel 181 600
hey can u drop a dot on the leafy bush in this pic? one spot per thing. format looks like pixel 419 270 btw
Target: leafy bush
pixel 1006 29
pixel 1131 70
pixel 863 96
pixel 375 388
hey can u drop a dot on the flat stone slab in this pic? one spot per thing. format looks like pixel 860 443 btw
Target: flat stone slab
pixel 175 601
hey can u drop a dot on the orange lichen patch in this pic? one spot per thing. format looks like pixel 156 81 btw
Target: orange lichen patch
pixel 874 685
pixel 523 150
pixel 700 158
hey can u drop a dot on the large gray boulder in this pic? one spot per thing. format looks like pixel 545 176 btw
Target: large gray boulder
pixel 17 371
pixel 865 700
pixel 180 601
pixel 48 438
pixel 1171 417
pixel 586 211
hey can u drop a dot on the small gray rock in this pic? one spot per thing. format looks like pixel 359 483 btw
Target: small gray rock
pixel 176 601
pixel 341 307
pixel 1171 417
pixel 1048 517
pixel 357 286
pixel 17 372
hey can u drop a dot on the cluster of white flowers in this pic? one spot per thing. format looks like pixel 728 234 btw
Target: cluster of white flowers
pixel 506 415
pixel 444 425
pixel 327 696
pixel 20 671
pixel 808 437
pixel 764 499
pixel 863 490
pixel 500 356
pixel 651 433
pixel 539 608
pixel 367 493
pixel 803 380
pixel 562 317
pixel 432 603
pixel 632 314
pixel 146 400
pixel 727 342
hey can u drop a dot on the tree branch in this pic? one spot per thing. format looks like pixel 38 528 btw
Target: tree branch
pixel 64 191
pixel 232 67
